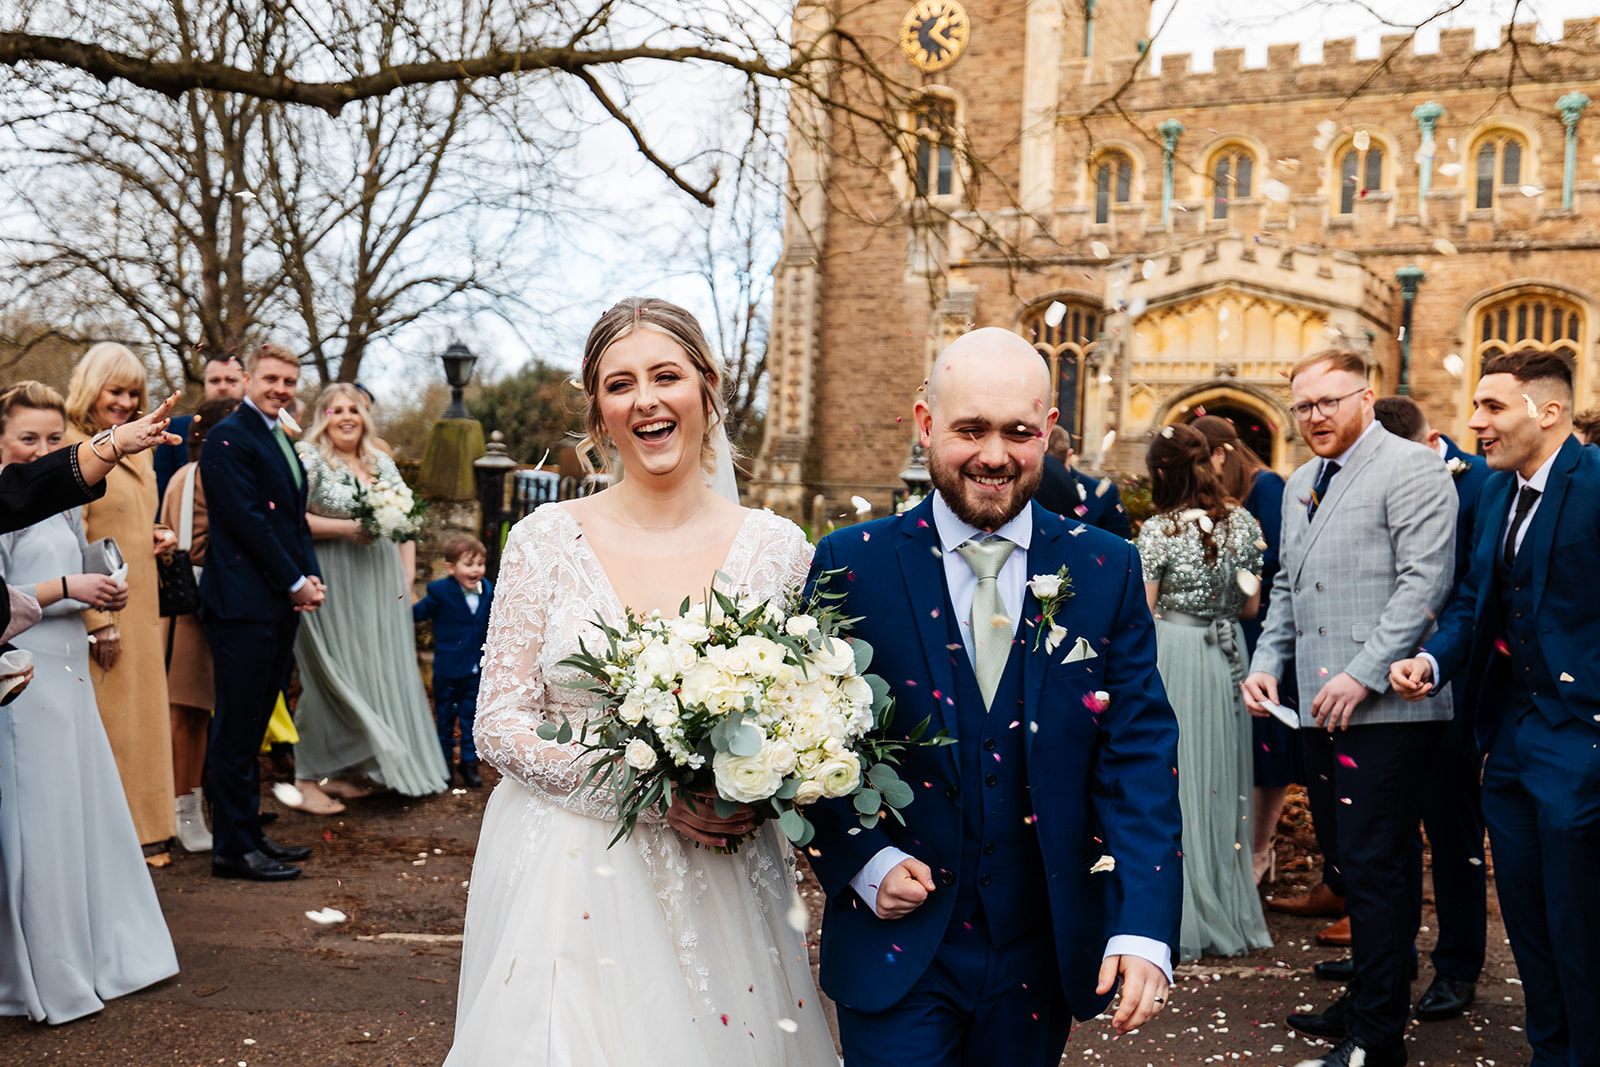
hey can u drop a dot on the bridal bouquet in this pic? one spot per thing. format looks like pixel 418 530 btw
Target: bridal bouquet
pixel 761 702
pixel 388 509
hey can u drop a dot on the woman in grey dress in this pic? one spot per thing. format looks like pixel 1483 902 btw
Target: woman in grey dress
pixel 1202 560
pixel 362 711
pixel 79 918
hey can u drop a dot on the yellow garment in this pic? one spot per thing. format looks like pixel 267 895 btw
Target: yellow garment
pixel 280 728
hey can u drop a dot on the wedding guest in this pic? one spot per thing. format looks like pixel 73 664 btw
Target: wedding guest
pixel 191 689
pixel 79 919
pixel 1586 426
pixel 1273 748
pixel 107 391
pixel 222 377
pixel 362 711
pixel 1368 559
pixel 458 604
pixel 260 576
pixel 1201 563
pixel 1067 491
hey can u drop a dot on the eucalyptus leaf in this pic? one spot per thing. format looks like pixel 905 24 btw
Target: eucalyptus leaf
pixel 863 652
pixel 746 740
pixel 794 825
pixel 725 808
pixel 880 690
pixel 787 789
pixel 898 794
pixel 547 731
pixel 869 822
pixel 880 774
pixel 810 832
pixel 868 801
pixel 564 734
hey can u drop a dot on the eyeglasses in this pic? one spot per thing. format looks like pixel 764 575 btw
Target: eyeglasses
pixel 1324 407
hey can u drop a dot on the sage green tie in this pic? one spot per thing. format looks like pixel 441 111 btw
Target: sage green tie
pixel 288 451
pixel 991 626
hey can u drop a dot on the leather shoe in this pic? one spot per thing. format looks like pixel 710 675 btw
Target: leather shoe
pixel 1332 1023
pixel 285 853
pixel 469 774
pixel 1350 1053
pixel 1344 969
pixel 1446 998
pixel 255 866
pixel 1320 901
pixel 1337 934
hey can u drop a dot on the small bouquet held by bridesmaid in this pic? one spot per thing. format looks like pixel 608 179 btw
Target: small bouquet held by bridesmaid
pixel 759 702
pixel 387 509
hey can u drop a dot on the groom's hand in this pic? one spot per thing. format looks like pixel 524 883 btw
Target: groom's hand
pixel 904 888
pixel 1144 990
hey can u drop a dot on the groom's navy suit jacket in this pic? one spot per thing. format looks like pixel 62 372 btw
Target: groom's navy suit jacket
pixel 1099 782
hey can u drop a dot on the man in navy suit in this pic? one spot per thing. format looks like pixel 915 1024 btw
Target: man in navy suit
pixel 261 571
pixel 459 605
pixel 222 377
pixel 1523 630
pixel 1067 491
pixel 1040 858
pixel 1452 809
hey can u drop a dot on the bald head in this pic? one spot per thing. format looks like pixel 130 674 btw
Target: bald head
pixel 990 360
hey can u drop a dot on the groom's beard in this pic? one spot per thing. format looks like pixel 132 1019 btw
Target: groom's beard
pixel 989 511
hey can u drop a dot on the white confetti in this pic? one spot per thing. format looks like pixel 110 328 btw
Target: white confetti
pixel 862 505
pixel 1532 190
pixel 1425 153
pixel 327 916
pixel 1055 313
pixel 1443 247
pixel 1249 583
pixel 799 918
pixel 245 195
pixel 1148 269
pixel 1103 865
pixel 288 795
pixel 1533 409
pixel 1454 365
pixel 1449 170
pixel 1362 140
pixel 1099 249
pixel 1223 314
pixel 249 1041
pixel 1136 307
pixel 788 1026
pixel 1565 677
pixel 1327 127
pixel 1275 191
pixel 286 420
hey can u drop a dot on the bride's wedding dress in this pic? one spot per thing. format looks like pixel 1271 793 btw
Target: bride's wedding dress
pixel 654 951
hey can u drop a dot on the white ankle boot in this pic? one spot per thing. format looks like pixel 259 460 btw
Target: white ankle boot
pixel 192 832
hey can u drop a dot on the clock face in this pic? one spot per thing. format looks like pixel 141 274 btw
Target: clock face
pixel 934 33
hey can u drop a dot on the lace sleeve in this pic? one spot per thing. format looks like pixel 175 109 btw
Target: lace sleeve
pixel 513 693
pixel 780 557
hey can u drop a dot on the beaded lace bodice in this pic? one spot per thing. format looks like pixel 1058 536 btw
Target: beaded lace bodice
pixel 551 589
pixel 331 490
pixel 1172 550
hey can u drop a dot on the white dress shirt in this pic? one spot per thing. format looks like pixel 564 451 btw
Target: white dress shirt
pixel 962 585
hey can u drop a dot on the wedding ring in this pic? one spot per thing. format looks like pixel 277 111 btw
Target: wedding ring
pixel 1161 1000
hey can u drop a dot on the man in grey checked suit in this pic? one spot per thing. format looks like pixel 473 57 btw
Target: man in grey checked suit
pixel 1368 556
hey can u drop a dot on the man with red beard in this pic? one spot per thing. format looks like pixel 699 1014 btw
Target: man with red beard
pixel 1039 863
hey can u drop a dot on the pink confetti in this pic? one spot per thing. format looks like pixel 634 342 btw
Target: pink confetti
pixel 1346 761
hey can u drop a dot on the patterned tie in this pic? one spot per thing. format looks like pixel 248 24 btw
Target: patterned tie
pixel 1525 498
pixel 1320 490
pixel 991 626
pixel 288 452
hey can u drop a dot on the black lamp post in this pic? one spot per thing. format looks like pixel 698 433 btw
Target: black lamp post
pixel 458 363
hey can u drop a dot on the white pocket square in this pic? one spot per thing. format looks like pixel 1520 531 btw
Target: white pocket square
pixel 1080 650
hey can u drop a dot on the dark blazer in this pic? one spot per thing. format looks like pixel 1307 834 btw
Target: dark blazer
pixel 168 458
pixel 458 634
pixel 32 492
pixel 260 543
pixel 1564 537
pixel 1469 483
pixel 1099 784
pixel 1069 492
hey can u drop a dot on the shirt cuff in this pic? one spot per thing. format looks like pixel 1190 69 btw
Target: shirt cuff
pixel 295 588
pixel 866 881
pixel 1146 948
pixel 1433 664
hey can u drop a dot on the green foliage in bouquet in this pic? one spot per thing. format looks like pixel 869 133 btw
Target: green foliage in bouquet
pixel 760 702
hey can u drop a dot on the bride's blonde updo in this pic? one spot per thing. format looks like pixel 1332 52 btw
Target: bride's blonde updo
pixel 647 312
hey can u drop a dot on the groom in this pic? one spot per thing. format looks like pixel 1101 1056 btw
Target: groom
pixel 976 932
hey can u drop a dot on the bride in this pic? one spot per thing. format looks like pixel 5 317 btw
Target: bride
pixel 658 950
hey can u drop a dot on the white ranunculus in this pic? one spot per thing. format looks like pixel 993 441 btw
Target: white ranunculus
pixel 834 657
pixel 762 656
pixel 700 683
pixel 800 625
pixel 684 657
pixel 729 660
pixel 774 613
pixel 746 779
pixel 780 756
pixel 808 793
pixel 839 777
pixel 690 628
pixel 1044 586
pixel 633 707
pixel 655 661
pixel 856 690
pixel 639 755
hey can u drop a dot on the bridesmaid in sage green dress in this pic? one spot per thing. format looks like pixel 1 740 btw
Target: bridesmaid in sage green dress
pixel 1202 561
pixel 362 710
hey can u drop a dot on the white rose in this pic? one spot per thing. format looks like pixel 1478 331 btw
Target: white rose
pixel 1044 586
pixel 690 628
pixel 780 756
pixel 834 657
pixel 808 793
pixel 839 777
pixel 700 683
pixel 639 755
pixel 747 779
pixel 762 656
pixel 800 625
pixel 633 707
pixel 684 657
pixel 729 660
pixel 774 613
pixel 856 690
pixel 662 709
pixel 655 661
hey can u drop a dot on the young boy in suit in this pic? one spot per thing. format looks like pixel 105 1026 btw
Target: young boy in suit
pixel 458 604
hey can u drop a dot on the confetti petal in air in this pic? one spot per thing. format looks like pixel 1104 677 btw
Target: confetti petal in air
pixel 1327 127
pixel 1443 247
pixel 1100 250
pixel 1275 191
pixel 1148 269
pixel 1136 306
pixel 1533 409
pixel 1565 677
pixel 1103 865
pixel 1347 761
pixel 1453 364
pixel 1532 190
pixel 788 1026
pixel 288 795
pixel 1449 170
pixel 1107 441
pixel 1362 140
pixel 1055 313
pixel 1249 583
pixel 862 505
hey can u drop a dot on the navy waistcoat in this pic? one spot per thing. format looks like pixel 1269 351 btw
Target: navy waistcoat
pixel 1528 679
pixel 1001 865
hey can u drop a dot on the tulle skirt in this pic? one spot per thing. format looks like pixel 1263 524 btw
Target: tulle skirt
pixel 653 951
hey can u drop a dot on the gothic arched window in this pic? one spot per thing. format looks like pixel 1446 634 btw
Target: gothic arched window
pixel 1529 320
pixel 1066 346
pixel 1499 166
pixel 1232 172
pixel 1113 183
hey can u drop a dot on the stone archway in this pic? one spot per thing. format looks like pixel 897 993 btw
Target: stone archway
pixel 1260 423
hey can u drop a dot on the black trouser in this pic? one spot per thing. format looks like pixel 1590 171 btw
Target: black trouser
pixel 1452 814
pixel 1368 782
pixel 251 663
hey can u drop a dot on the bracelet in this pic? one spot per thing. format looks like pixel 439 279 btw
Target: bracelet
pixel 64 595
pixel 95 448
pixel 112 434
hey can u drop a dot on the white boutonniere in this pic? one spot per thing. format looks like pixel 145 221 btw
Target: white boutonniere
pixel 1457 466
pixel 1050 590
